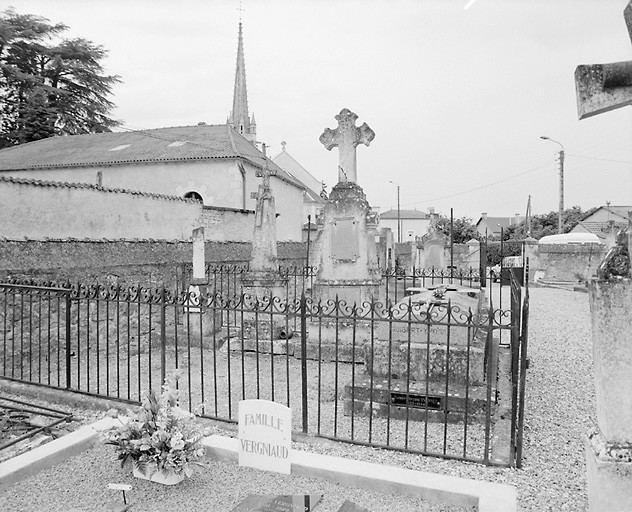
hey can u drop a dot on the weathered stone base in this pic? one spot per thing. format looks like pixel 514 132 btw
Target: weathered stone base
pixel 609 479
pixel 329 340
pixel 382 400
pixel 360 293
pixel 411 361
pixel 262 284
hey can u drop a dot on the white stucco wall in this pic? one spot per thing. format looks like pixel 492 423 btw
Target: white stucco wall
pixel 219 182
pixel 60 212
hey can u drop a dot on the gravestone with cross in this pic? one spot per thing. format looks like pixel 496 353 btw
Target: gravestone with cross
pixel 264 242
pixel 345 252
pixel 601 88
pixel 346 138
pixel 263 280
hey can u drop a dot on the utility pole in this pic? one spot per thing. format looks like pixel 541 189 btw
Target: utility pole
pixel 399 222
pixel 399 228
pixel 561 156
pixel 559 220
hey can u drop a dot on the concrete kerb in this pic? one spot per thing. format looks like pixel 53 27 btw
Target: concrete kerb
pixel 49 454
pixel 486 496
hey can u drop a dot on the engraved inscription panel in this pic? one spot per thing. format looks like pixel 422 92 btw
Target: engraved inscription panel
pixel 345 240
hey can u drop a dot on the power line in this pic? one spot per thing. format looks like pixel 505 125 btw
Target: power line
pixel 481 186
pixel 602 159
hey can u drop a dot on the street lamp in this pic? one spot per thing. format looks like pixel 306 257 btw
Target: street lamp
pixel 399 235
pixel 559 219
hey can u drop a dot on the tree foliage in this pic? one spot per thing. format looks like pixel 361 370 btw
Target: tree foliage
pixel 546 224
pixel 50 85
pixel 463 229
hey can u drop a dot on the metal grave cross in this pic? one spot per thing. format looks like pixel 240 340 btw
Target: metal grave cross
pixel 265 173
pixel 604 87
pixel 346 137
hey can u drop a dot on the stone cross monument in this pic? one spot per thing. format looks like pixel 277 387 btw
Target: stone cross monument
pixel 600 88
pixel 345 250
pixel 346 138
pixel 262 278
pixel 264 242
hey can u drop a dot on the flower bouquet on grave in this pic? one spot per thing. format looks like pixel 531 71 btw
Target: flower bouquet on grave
pixel 160 440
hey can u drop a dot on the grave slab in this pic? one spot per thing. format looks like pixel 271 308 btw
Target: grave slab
pixel 350 506
pixel 279 503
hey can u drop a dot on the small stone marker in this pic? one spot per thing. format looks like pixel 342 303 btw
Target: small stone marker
pixel 265 435
pixel 199 261
pixel 114 506
pixel 350 506
pixel 272 503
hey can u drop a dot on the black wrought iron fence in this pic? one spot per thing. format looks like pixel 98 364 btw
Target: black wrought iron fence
pixel 225 278
pixel 419 376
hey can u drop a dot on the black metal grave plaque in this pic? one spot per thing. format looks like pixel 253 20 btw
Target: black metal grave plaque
pixel 272 503
pixel 416 400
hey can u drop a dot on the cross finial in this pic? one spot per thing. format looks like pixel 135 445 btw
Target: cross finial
pixel 283 144
pixel 604 87
pixel 346 138
pixel 265 173
pixel 241 10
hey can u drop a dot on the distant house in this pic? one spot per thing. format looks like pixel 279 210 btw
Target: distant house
pixel 413 223
pixel 604 222
pixel 491 226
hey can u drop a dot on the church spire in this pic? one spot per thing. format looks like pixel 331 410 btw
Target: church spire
pixel 239 118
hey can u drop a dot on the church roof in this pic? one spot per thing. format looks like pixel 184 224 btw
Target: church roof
pixel 404 214
pixel 177 144
pixel 292 167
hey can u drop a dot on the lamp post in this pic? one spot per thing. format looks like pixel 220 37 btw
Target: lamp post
pixel 559 219
pixel 399 235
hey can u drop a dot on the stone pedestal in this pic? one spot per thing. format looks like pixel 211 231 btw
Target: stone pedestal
pixel 417 351
pixel 346 258
pixel 609 475
pixel 611 311
pixel 609 450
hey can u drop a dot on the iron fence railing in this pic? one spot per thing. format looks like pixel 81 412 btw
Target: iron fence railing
pixel 416 376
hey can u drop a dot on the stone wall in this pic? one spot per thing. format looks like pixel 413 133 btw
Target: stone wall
pixel 144 261
pixel 40 210
pixel 565 262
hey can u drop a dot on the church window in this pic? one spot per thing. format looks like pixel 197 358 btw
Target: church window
pixel 194 195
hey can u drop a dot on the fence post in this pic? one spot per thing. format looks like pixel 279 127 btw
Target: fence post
pixel 68 340
pixel 304 359
pixel 163 336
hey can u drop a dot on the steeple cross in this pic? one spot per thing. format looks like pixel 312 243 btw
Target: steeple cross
pixel 265 173
pixel 604 87
pixel 346 138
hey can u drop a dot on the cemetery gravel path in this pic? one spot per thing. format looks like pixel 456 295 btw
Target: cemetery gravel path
pixel 559 412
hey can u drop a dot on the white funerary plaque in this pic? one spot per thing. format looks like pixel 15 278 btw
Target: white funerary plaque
pixel 265 435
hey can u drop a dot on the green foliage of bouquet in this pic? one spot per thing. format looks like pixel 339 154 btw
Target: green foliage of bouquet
pixel 160 434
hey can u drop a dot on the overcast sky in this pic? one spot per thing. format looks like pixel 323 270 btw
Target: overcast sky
pixel 457 97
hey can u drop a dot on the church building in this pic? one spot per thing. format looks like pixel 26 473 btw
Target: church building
pixel 213 164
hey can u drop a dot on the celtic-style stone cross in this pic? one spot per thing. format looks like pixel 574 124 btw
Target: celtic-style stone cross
pixel 346 137
pixel 604 87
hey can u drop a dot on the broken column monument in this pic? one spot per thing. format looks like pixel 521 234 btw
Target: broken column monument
pixel 601 88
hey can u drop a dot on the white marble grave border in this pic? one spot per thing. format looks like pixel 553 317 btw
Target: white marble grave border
pixel 486 496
